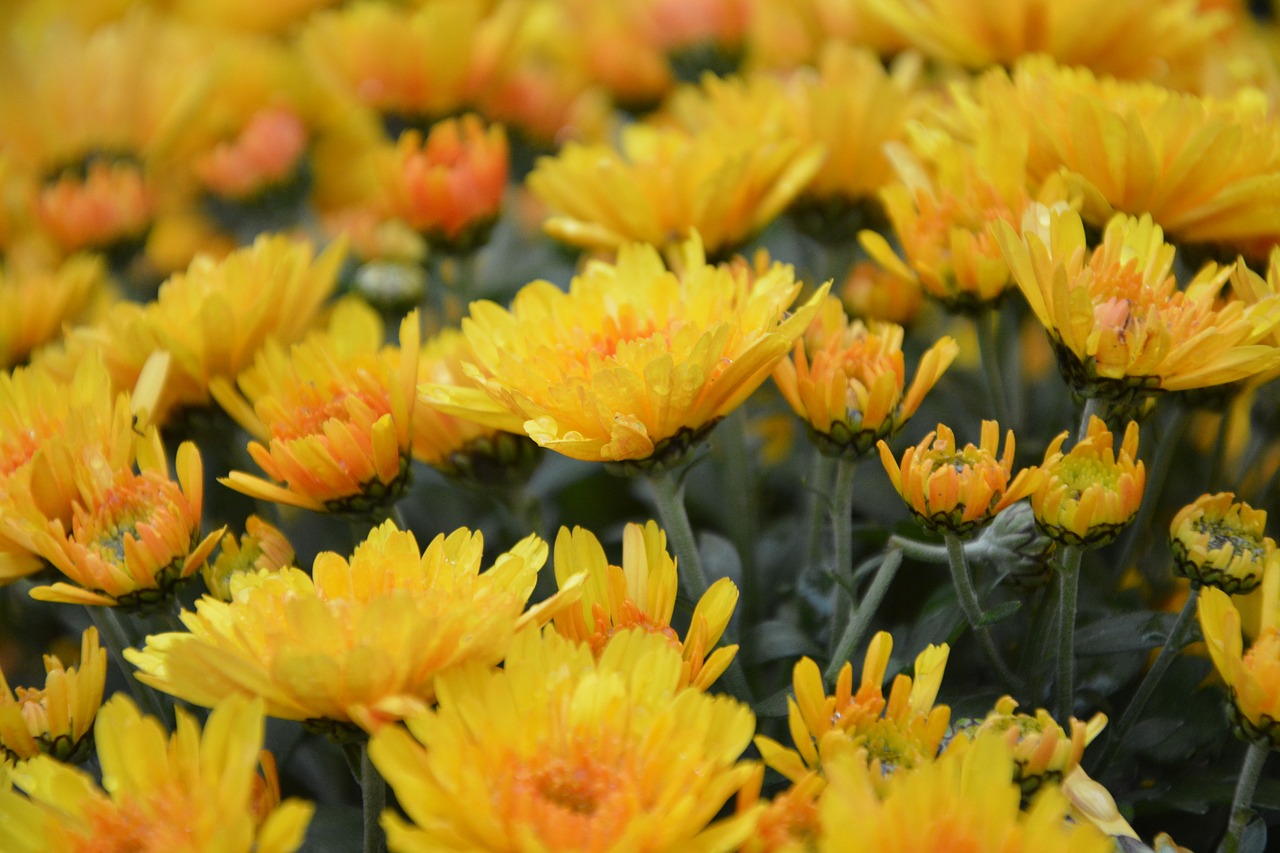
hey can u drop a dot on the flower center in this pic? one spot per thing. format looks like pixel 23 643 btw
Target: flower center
pixel 573 803
pixel 1222 535
pixel 310 415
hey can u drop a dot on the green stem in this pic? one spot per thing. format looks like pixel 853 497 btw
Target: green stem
pixel 865 611
pixel 923 552
pixel 1156 476
pixel 373 791
pixel 668 497
pixel 1173 645
pixel 1217 462
pixel 1241 804
pixel 116 637
pixel 1068 596
pixel 842 520
pixel 989 350
pixel 1035 659
pixel 819 485
pixel 731 441
pixel 968 597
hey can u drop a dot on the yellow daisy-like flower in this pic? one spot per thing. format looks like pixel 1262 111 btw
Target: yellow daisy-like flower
pixel 902 732
pixel 332 416
pixel 1252 677
pixel 663 184
pixel 958 490
pixel 355 642
pixel 39 302
pixel 262 547
pixel 562 751
pixel 1121 326
pixel 133 537
pixel 246 16
pixel 192 792
pixel 1221 542
pixel 55 720
pixel 634 363
pixel 1086 497
pixel 641 595
pixel 967 800
pixel 1042 751
pixel 848 382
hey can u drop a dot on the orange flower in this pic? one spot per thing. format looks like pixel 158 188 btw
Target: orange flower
pixel 56 719
pixel 1042 751
pixel 108 208
pixel 1218 541
pixel 1253 677
pixel 1089 495
pixel 266 152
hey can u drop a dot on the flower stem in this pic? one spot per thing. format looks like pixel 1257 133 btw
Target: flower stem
pixel 842 520
pixel 863 613
pixel 1068 597
pixel 1173 644
pixel 373 795
pixel 923 552
pixel 668 497
pixel 1250 772
pixel 730 440
pixel 972 609
pixel 819 484
pixel 116 637
pixel 989 350
pixel 1156 476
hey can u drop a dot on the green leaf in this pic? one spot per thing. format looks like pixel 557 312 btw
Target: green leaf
pixel 335 829
pixel 1125 632
pixel 1001 612
pixel 776 640
pixel 775 706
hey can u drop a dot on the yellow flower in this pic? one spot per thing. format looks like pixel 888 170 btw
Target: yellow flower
pixel 449 187
pixel 848 382
pixel 634 363
pixel 788 823
pixel 958 490
pixel 662 184
pixel 56 719
pixel 1042 751
pixel 1218 541
pixel 1086 497
pixel 560 750
pixel 39 302
pixel 133 537
pixel 331 416
pixel 902 732
pixel 1253 677
pixel 1160 39
pixel 641 595
pixel 871 293
pixel 192 792
pixel 262 547
pixel 1120 325
pixel 355 642
pixel 967 800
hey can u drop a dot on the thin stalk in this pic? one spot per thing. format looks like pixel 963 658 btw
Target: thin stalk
pixel 1034 659
pixel 668 497
pixel 1217 462
pixel 731 441
pixel 116 637
pixel 1241 803
pixel 1173 645
pixel 1156 476
pixel 842 601
pixel 968 597
pixel 373 796
pixel 988 348
pixel 819 486
pixel 863 613
pixel 1068 597
pixel 924 552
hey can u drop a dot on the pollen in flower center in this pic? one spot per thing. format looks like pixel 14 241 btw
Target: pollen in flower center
pixel 574 803
pixel 1223 536
pixel 1079 473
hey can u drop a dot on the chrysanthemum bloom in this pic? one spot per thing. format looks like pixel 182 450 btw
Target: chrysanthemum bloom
pixel 560 750
pixel 211 320
pixel 1087 496
pixel 634 363
pixel 107 209
pixel 266 152
pixel 788 823
pixel 900 733
pixel 449 188
pixel 641 595
pixel 848 382
pixel 56 719
pixel 618 54
pixel 38 302
pixel 1121 326
pixel 261 548
pixel 246 16
pixel 331 416
pixel 871 293
pixel 1042 751
pixel 1204 169
pixel 1253 677
pixel 133 537
pixel 967 800
pixel 358 642
pixel 958 490
pixel 1161 39
pixel 1218 541
pixel 663 184
pixel 192 791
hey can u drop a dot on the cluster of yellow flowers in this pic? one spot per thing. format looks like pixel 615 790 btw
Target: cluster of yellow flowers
pixel 287 288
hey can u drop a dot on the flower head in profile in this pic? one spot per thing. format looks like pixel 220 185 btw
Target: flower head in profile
pixel 355 642
pixel 1121 326
pixel 55 720
pixel 900 732
pixel 40 302
pixel 1252 677
pixel 194 790
pixel 331 417
pixel 1221 542
pixel 788 821
pixel 635 362
pixel 958 489
pixel 107 209
pixel 262 547
pixel 641 595
pixel 848 381
pixel 449 187
pixel 561 750
pixel 1042 751
pixel 268 151
pixel 967 800
pixel 1087 496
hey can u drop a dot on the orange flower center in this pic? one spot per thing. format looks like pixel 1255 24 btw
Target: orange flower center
pixel 16 450
pixel 133 500
pixel 573 803
pixel 309 416
pixel 266 152
pixel 130 826
pixel 630 617
pixel 110 204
